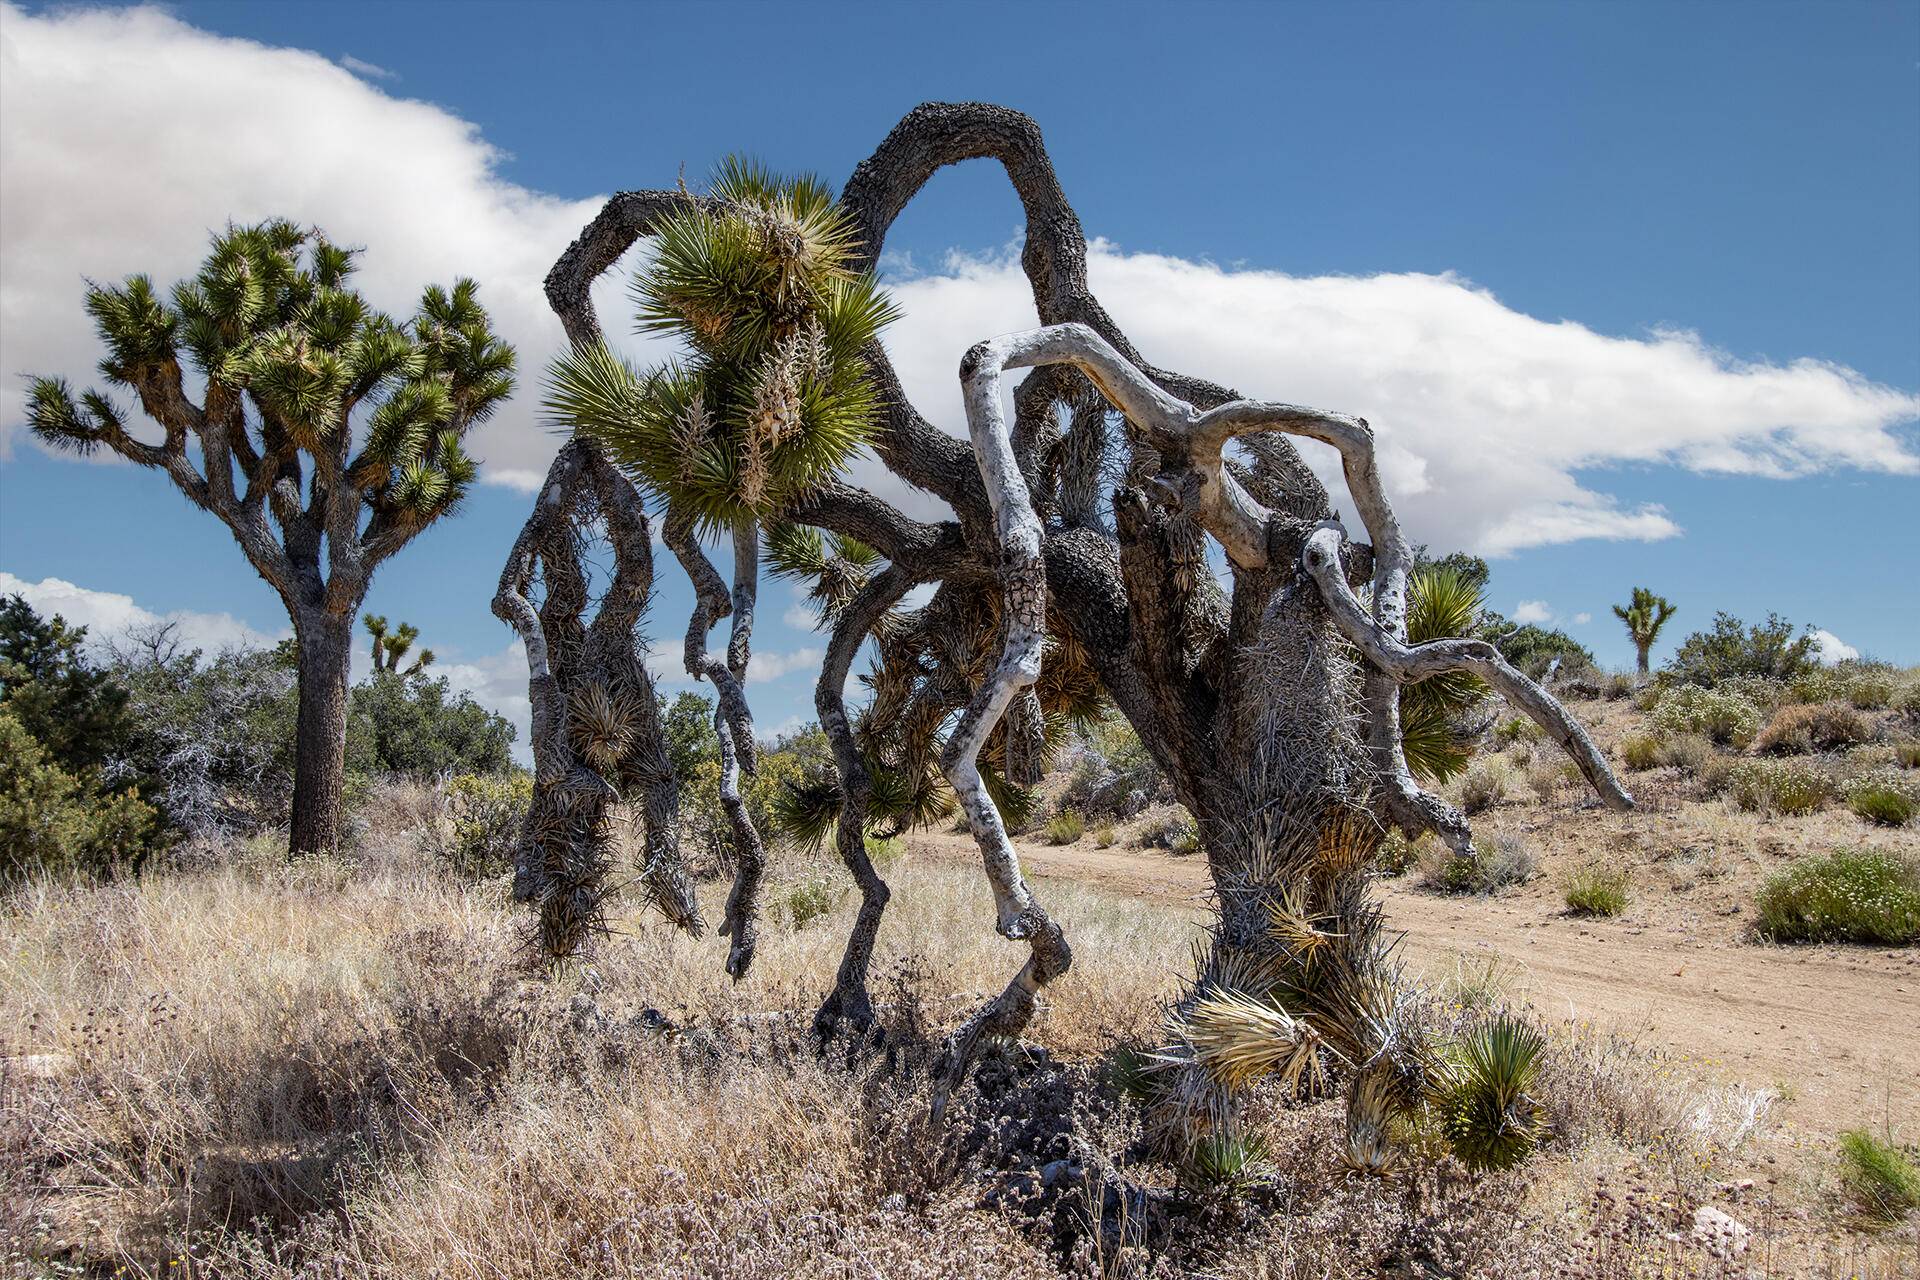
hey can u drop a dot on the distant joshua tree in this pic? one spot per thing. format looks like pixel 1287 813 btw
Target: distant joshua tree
pixel 292 360
pixel 1644 618
pixel 389 648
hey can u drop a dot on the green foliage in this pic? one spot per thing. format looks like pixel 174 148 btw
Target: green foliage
pixel 809 898
pixel 218 736
pixel 1131 1072
pixel 1226 1161
pixel 1597 891
pixel 270 315
pixel 688 725
pixel 1065 827
pixel 1500 860
pixel 390 648
pixel 1105 837
pixel 1518 729
pixel 1487 783
pixel 1398 855
pixel 1487 1112
pixel 774 396
pixel 1869 896
pixel 884 851
pixel 1645 616
pixel 1907 753
pixel 1885 799
pixel 1881 1177
pixel 834 566
pixel 56 823
pixel 1112 773
pixel 1780 786
pixel 1719 714
pixel 417 726
pixel 1767 649
pixel 74 709
pixel 1442 602
pixel 1532 648
pixel 1639 751
pixel 486 813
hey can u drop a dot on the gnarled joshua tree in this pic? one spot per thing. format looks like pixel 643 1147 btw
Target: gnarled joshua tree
pixel 1271 700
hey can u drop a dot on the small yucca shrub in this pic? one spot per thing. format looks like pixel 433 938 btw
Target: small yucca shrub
pixel 1065 827
pixel 1598 891
pixel 1885 799
pixel 1226 1161
pixel 1868 896
pixel 1881 1178
pixel 1488 1114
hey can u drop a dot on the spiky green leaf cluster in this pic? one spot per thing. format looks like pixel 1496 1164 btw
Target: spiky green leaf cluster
pixel 1442 602
pixel 1487 1112
pixel 833 566
pixel 773 396
pixel 270 317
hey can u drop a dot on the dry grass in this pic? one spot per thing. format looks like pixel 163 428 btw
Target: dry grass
pixel 343 1068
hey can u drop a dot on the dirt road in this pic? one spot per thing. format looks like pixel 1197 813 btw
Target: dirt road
pixel 1836 1029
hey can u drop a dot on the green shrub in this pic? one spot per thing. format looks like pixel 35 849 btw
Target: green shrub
pixel 1688 752
pixel 424 728
pixel 486 813
pixel 884 851
pixel 1885 799
pixel 1598 891
pixel 1872 689
pixel 809 898
pixel 1487 1109
pixel 1866 896
pixel 1065 827
pixel 1105 837
pixel 1398 855
pixel 1821 726
pixel 1500 860
pixel 1487 782
pixel 1725 717
pixel 1518 729
pixel 52 821
pixel 1639 751
pixel 1881 1177
pixel 1768 650
pixel 1780 786
pixel 1907 753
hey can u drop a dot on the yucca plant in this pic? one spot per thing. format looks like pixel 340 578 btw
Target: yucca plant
pixel 322 422
pixel 1645 615
pixel 1487 1112
pixel 1441 603
pixel 773 394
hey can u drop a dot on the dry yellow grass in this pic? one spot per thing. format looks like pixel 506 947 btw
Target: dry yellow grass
pixel 344 1068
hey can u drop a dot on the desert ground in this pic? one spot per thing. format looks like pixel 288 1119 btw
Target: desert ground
pixel 349 1066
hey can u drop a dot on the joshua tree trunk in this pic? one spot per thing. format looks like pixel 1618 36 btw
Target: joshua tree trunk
pixel 1642 654
pixel 325 642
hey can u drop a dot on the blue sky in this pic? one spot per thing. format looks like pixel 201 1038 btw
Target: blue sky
pixel 1627 229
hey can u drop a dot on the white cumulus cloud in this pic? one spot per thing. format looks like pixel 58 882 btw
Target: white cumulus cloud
pixel 121 149
pixel 1532 611
pixel 1492 423
pixel 1483 413
pixel 110 616
pixel 1582 619
pixel 1830 648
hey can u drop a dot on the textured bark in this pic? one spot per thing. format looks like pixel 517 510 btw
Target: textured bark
pixel 1273 708
pixel 325 643
pixel 596 734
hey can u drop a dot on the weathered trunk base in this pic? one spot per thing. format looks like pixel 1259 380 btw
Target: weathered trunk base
pixel 325 644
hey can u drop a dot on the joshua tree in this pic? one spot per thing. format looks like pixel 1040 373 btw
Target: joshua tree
pixel 1644 618
pixel 1272 699
pixel 391 648
pixel 294 360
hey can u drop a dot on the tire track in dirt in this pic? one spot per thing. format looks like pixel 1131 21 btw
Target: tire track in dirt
pixel 1838 1027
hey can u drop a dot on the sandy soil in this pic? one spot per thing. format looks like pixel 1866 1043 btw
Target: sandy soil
pixel 1836 1030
